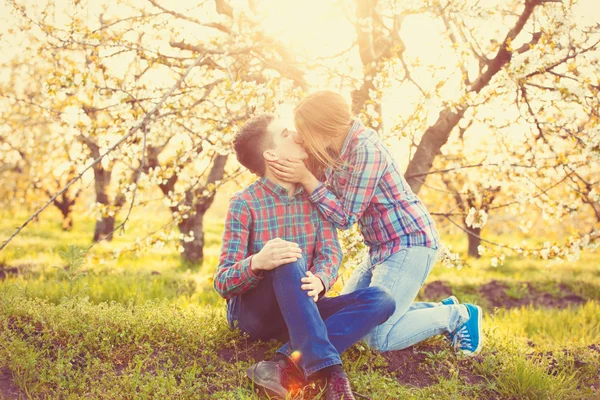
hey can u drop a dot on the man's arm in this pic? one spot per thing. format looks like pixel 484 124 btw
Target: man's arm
pixel 234 273
pixel 327 256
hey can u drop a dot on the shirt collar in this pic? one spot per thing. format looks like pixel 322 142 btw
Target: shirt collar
pixel 354 130
pixel 277 189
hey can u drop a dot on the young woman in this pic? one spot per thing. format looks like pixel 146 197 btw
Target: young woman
pixel 365 185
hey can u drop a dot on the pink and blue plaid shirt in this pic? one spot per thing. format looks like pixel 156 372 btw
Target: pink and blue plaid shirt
pixel 369 188
pixel 264 211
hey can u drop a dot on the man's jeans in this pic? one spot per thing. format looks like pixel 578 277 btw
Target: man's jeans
pixel 403 275
pixel 318 332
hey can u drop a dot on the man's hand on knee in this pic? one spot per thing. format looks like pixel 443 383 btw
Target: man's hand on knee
pixel 313 285
pixel 275 253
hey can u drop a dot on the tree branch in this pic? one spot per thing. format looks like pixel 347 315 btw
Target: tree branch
pixel 504 55
pixel 141 124
pixel 455 42
pixel 213 25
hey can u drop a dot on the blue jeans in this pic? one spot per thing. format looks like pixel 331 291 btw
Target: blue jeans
pixel 403 275
pixel 318 332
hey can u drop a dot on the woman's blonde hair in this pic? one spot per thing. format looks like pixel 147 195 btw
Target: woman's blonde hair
pixel 320 117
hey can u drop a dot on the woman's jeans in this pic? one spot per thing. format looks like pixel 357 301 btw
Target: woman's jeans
pixel 403 275
pixel 318 332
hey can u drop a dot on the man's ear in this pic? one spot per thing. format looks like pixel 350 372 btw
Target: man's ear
pixel 270 155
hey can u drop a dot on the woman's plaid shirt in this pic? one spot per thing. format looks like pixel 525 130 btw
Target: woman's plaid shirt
pixel 264 211
pixel 370 189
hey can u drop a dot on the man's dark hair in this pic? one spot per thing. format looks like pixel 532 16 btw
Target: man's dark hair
pixel 252 140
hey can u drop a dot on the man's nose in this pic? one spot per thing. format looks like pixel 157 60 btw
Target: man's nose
pixel 298 139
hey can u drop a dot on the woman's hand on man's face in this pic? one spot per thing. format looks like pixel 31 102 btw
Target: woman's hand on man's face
pixel 290 170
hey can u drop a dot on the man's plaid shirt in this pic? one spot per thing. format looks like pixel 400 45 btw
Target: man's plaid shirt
pixel 369 188
pixel 264 211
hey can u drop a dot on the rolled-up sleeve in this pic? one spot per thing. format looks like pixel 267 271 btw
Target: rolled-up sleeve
pixel 234 273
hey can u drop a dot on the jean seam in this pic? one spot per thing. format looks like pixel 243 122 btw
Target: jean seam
pixel 324 364
pixel 376 331
pixel 427 270
pixel 287 353
pixel 312 370
pixel 404 250
pixel 427 333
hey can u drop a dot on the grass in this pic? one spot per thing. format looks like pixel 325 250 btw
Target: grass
pixel 550 328
pixel 146 325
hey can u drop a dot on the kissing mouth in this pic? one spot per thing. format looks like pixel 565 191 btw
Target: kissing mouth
pixel 303 154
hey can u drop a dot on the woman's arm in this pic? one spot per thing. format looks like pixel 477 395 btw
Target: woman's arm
pixel 366 165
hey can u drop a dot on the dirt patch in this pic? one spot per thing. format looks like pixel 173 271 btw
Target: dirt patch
pixel 6 270
pixel 14 270
pixel 411 367
pixel 8 389
pixel 247 351
pixel 554 365
pixel 415 367
pixel 499 294
pixel 437 290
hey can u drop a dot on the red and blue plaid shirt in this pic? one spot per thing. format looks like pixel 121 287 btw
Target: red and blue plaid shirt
pixel 369 188
pixel 264 211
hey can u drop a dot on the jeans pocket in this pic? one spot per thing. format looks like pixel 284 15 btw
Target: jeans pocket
pixel 427 268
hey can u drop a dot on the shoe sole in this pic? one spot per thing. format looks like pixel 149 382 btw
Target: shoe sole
pixel 274 393
pixel 480 332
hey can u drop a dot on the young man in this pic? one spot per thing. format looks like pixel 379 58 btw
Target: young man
pixel 278 259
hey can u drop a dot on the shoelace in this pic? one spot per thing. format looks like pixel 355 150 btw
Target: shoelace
pixel 462 338
pixel 341 386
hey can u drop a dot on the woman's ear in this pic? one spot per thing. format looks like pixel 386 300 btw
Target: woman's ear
pixel 270 155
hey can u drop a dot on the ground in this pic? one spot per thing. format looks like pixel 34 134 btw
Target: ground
pixel 147 326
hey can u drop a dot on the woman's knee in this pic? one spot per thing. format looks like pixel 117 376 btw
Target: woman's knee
pixel 377 340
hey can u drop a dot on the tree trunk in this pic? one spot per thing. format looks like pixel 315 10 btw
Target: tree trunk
pixel 66 208
pixel 193 251
pixel 474 235
pixel 65 204
pixel 430 146
pixel 105 225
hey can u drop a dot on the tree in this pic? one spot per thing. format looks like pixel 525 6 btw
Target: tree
pixel 183 149
pixel 506 93
pixel 528 58
pixel 39 161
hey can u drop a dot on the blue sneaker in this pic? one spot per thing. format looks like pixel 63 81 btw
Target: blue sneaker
pixel 468 339
pixel 450 301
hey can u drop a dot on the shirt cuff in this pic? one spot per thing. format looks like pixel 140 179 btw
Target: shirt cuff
pixel 319 193
pixel 247 274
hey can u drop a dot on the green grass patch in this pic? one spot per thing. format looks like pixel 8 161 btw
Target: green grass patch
pixel 147 325
pixel 551 328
